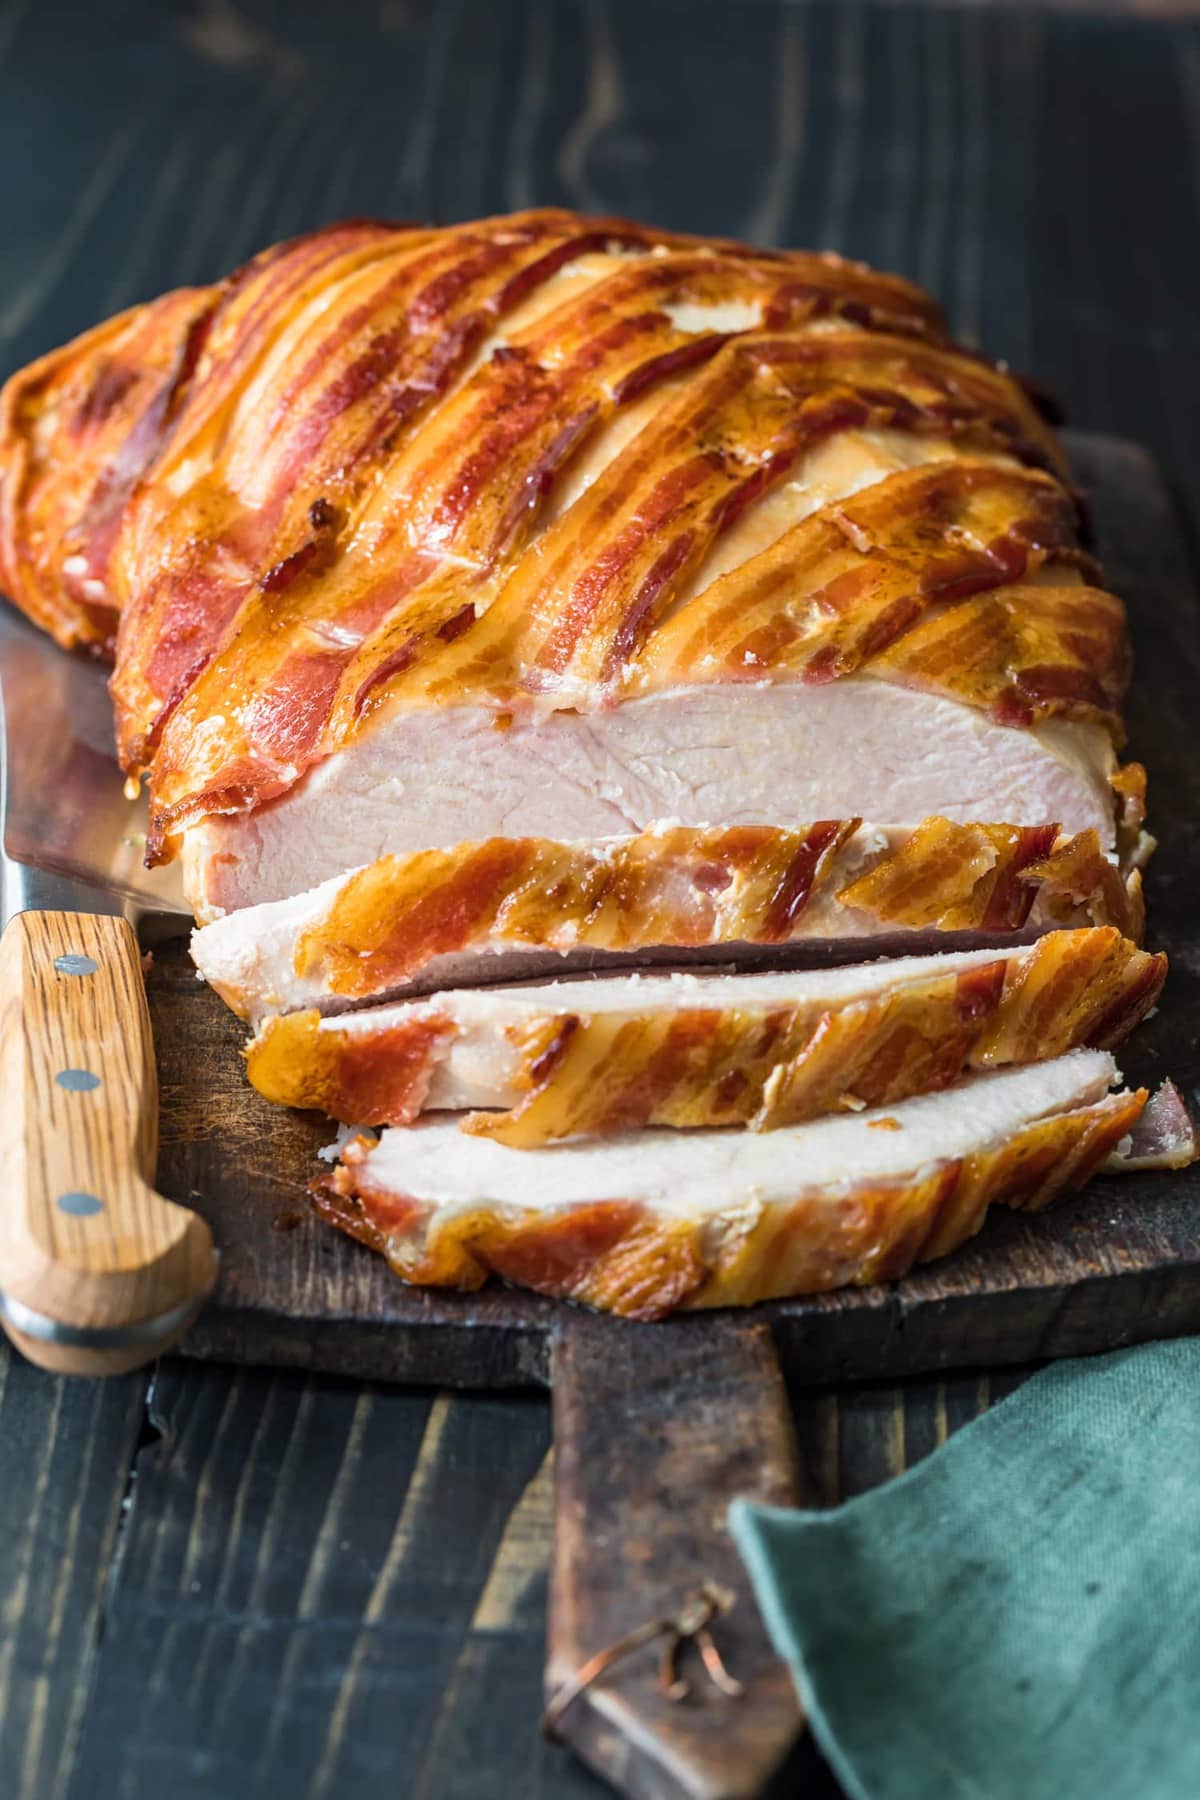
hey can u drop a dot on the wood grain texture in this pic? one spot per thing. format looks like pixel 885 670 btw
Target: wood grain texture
pixel 1119 1264
pixel 68 1447
pixel 319 1587
pixel 322 1588
pixel 86 1243
pixel 650 1449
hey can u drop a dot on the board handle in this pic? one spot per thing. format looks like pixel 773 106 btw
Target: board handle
pixel 654 1435
pixel 98 1272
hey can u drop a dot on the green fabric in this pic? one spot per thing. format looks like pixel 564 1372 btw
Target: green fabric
pixel 1019 1615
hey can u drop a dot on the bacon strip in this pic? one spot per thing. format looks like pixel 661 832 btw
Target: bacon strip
pixel 383 1077
pixel 1024 653
pixel 607 571
pixel 1076 878
pixel 627 1257
pixel 854 584
pixel 257 452
pixel 766 1069
pixel 955 877
pixel 675 887
pixel 77 428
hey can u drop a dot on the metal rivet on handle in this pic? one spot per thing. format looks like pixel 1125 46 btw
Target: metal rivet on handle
pixel 80 1206
pixel 72 963
pixel 77 1081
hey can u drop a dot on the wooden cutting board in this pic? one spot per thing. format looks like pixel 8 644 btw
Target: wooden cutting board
pixel 1120 1263
pixel 657 1426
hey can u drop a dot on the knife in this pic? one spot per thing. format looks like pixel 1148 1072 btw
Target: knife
pixel 98 1272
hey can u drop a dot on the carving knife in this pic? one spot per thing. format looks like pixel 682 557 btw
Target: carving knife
pixel 98 1272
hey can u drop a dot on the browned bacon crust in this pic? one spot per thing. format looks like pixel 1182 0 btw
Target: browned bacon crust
pixel 625 1258
pixel 1024 654
pixel 675 887
pixel 311 491
pixel 914 578
pixel 77 430
pixel 758 1065
pixel 376 1079
pixel 1076 878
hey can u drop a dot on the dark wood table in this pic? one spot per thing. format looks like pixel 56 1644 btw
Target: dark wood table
pixel 218 1584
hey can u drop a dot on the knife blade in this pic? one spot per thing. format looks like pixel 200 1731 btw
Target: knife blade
pixel 98 1272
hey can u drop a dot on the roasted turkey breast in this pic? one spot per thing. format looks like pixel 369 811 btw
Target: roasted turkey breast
pixel 405 538
pixel 550 595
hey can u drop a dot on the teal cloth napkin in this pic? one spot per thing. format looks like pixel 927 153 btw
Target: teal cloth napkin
pixel 1019 1615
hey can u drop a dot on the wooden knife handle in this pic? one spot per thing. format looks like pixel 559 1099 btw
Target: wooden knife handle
pixel 655 1432
pixel 98 1272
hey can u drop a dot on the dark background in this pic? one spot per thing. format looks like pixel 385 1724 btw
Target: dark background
pixel 219 1584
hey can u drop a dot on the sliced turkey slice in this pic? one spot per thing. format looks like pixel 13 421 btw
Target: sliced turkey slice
pixel 614 1053
pixel 650 1221
pixel 528 906
pixel 740 754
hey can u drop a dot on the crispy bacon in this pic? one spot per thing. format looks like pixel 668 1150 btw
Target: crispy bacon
pixel 767 1068
pixel 676 887
pixel 854 583
pixel 384 1077
pixel 457 508
pixel 761 1067
pixel 1024 653
pixel 77 429
pixel 596 590
pixel 628 1257
pixel 1076 877
pixel 410 309
pixel 955 877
